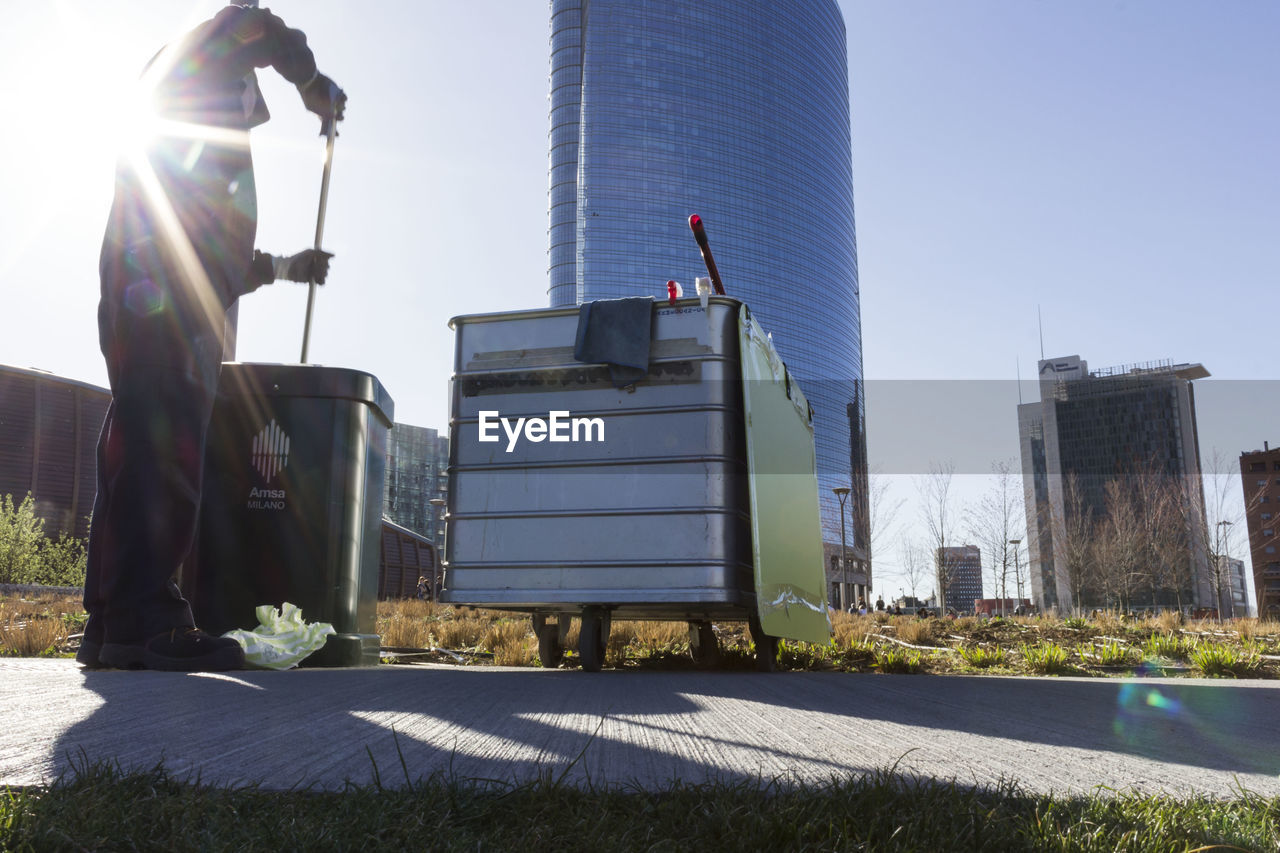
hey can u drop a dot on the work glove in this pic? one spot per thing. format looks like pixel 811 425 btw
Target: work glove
pixel 306 266
pixel 322 96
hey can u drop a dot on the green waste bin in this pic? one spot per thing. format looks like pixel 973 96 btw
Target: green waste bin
pixel 291 507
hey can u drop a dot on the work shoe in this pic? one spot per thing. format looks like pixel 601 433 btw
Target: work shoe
pixel 176 650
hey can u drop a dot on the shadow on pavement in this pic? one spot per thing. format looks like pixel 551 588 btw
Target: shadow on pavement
pixel 328 727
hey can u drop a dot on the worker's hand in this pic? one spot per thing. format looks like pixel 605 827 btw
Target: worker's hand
pixel 307 266
pixel 323 97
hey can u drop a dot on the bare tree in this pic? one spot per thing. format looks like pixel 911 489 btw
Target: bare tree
pixel 1214 522
pixel 882 514
pixel 1121 542
pixel 1076 532
pixel 939 517
pixel 995 522
pixel 1167 507
pixel 915 566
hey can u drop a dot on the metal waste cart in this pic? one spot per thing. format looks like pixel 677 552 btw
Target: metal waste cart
pixel 291 508
pixel 572 497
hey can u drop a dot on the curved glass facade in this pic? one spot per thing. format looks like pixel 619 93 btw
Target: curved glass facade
pixel 737 110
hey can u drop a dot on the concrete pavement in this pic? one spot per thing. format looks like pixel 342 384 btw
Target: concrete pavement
pixel 326 727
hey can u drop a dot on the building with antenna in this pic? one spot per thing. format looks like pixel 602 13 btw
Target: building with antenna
pixel 737 110
pixel 1104 447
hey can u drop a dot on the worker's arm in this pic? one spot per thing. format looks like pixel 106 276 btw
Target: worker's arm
pixel 289 55
pixel 307 266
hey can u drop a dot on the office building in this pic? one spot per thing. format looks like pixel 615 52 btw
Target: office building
pixel 737 110
pixel 49 429
pixel 417 474
pixel 1116 431
pixel 960 577
pixel 1233 600
pixel 1260 477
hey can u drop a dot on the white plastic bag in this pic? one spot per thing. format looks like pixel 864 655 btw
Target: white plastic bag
pixel 281 640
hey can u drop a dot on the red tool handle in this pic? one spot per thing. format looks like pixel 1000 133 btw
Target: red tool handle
pixel 700 234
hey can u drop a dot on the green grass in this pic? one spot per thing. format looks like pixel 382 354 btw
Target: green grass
pixel 1169 646
pixel 1045 658
pixel 1224 661
pixel 102 809
pixel 982 657
pixel 1114 653
pixel 893 659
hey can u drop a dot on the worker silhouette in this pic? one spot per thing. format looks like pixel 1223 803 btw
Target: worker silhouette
pixel 178 252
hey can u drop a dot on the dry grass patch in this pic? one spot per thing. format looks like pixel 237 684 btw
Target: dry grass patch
pixel 463 630
pixel 1167 621
pixel 402 632
pixel 1109 622
pixel 917 632
pixel 512 642
pixel 32 636
pixel 406 623
pixel 40 625
pixel 851 629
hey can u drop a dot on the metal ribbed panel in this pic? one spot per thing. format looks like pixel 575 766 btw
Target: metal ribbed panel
pixel 652 520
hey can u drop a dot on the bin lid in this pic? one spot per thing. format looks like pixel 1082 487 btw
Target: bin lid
pixel 306 380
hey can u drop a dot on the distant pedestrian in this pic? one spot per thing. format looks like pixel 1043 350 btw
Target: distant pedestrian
pixel 422 588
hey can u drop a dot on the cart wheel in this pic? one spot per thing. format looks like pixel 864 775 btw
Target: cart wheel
pixel 591 639
pixel 550 642
pixel 766 646
pixel 702 644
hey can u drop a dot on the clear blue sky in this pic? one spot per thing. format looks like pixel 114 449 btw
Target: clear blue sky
pixel 1112 164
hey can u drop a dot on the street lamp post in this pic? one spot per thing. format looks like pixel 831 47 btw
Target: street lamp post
pixel 1017 571
pixel 842 493
pixel 439 504
pixel 1218 569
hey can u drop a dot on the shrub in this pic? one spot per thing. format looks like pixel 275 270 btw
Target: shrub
pixel 1214 659
pixel 1075 623
pixel 981 656
pixel 20 536
pixel 1044 658
pixel 29 556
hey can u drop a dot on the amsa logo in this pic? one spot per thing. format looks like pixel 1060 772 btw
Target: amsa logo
pixel 1062 368
pixel 270 453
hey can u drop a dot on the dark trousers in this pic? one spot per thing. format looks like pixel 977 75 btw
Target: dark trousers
pixel 150 467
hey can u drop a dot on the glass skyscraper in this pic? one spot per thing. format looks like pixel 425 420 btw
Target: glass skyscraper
pixel 737 110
